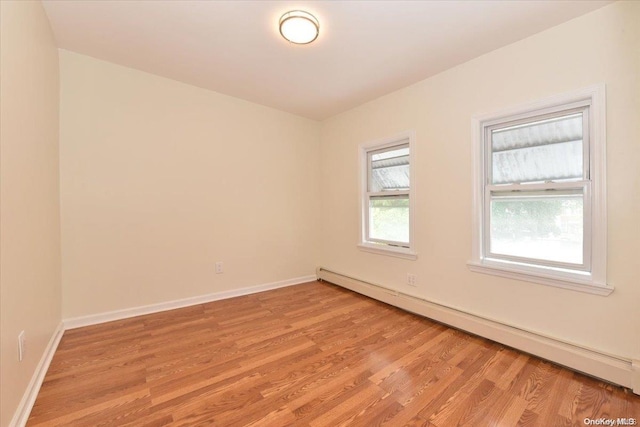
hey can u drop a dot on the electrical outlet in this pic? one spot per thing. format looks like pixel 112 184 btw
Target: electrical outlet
pixel 219 267
pixel 22 346
pixel 411 279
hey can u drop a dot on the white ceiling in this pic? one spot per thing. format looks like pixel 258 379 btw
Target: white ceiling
pixel 365 48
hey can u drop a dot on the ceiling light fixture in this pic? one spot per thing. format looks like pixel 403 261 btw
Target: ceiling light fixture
pixel 299 27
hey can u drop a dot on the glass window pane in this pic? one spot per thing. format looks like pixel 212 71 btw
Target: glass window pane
pixel 389 170
pixel 389 218
pixel 540 227
pixel 543 150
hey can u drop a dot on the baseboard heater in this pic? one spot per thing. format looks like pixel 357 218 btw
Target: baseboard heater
pixel 611 368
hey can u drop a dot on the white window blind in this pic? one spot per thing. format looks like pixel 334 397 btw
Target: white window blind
pixel 544 150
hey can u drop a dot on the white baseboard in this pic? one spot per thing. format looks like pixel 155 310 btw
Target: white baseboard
pixel 93 319
pixel 21 415
pixel 615 369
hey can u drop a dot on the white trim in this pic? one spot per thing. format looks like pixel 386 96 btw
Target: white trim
pixel 591 92
pixel 94 319
pixel 598 170
pixel 571 282
pixel 596 213
pixel 407 137
pixel 613 368
pixel 397 252
pixel 21 415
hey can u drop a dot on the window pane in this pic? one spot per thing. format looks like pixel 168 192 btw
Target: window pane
pixel 389 218
pixel 543 150
pixel 389 170
pixel 540 227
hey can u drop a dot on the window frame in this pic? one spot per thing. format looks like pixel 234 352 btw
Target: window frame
pixel 590 276
pixel 380 246
pixel 583 185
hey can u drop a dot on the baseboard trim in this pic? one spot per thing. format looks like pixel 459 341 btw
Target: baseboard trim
pixel 94 319
pixel 23 411
pixel 612 368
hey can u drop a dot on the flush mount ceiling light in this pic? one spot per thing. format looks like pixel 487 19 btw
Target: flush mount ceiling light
pixel 299 27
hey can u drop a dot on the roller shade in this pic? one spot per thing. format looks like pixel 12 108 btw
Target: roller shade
pixel 389 170
pixel 545 150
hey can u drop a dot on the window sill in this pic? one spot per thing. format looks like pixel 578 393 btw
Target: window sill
pixel 388 250
pixel 566 280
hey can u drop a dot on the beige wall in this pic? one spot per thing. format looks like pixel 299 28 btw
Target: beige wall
pixel 29 198
pixel 601 47
pixel 159 180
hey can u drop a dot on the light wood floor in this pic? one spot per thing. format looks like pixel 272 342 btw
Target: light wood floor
pixel 308 355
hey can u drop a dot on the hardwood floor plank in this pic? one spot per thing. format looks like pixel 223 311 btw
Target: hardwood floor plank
pixel 566 407
pixel 278 417
pixel 509 377
pixel 449 399
pixel 382 412
pixel 528 418
pixel 506 412
pixel 307 355
pixel 347 411
pixel 536 389
pixel 418 421
pixel 593 395
pixel 107 409
pixel 549 408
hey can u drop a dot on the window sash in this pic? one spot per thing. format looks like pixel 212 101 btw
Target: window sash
pixel 582 107
pixel 381 196
pixel 542 191
pixel 371 153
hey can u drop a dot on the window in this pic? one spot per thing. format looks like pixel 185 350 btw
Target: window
pixel 387 196
pixel 539 202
